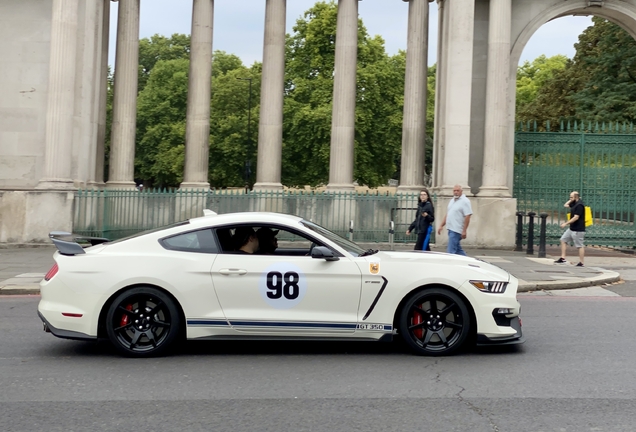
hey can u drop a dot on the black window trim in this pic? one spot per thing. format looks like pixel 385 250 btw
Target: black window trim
pixel 274 226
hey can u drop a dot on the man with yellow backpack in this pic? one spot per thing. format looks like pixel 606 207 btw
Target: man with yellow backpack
pixel 576 228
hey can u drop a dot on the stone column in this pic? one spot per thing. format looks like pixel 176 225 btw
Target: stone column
pixel 344 98
pixel 458 91
pixel 102 97
pixel 122 151
pixel 439 126
pixel 495 167
pixel 270 127
pixel 61 97
pixel 414 123
pixel 197 147
pixel 86 67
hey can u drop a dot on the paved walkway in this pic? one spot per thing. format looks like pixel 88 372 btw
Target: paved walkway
pixel 21 269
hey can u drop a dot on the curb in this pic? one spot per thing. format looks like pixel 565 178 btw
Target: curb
pixel 607 277
pixel 8 290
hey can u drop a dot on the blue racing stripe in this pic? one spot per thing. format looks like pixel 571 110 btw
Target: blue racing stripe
pixel 293 324
pixel 202 322
pixel 208 323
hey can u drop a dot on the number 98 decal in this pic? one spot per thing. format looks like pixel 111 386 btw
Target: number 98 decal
pixel 282 285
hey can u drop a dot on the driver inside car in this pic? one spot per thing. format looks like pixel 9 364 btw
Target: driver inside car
pixel 267 241
pixel 245 240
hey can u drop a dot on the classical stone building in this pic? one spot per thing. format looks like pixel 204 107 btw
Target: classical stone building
pixel 53 63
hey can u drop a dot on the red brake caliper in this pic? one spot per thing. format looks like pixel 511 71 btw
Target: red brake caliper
pixel 417 319
pixel 124 317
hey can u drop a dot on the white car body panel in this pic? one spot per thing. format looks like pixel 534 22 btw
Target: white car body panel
pixel 226 295
pixel 329 294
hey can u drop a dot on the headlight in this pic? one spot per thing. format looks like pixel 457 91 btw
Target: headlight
pixel 490 287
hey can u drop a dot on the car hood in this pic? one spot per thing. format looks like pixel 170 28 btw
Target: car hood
pixel 441 259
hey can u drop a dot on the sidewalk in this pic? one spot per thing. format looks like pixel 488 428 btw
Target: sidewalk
pixel 21 269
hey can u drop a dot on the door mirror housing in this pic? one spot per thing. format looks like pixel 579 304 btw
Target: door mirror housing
pixel 323 252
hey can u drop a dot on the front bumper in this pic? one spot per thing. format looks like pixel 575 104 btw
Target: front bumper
pixel 518 338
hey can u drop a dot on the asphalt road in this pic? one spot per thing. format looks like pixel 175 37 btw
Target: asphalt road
pixel 574 373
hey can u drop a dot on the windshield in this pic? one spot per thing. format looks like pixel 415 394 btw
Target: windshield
pixel 347 245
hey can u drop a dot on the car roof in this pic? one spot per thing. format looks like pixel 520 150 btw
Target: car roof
pixel 245 217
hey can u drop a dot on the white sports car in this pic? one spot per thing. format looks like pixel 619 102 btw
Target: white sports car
pixel 227 277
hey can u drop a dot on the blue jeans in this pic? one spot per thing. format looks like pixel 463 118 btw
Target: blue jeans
pixel 453 243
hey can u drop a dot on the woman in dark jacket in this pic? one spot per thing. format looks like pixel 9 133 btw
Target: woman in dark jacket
pixel 424 217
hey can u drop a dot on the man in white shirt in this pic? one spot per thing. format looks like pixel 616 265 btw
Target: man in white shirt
pixel 458 217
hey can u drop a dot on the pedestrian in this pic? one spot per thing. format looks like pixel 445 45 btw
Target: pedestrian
pixel 576 228
pixel 424 217
pixel 458 217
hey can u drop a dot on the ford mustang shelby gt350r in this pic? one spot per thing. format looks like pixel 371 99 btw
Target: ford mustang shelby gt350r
pixel 270 276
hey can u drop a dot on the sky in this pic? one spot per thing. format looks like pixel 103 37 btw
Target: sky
pixel 239 25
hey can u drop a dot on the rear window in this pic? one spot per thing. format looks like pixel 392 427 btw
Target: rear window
pixel 202 241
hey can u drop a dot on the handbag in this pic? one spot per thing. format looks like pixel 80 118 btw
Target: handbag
pixel 589 220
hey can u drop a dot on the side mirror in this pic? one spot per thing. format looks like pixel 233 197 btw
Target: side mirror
pixel 323 252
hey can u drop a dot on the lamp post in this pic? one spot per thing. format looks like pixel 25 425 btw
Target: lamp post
pixel 249 134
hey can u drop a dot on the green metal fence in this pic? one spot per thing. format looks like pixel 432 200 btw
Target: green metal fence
pixel 118 213
pixel 598 160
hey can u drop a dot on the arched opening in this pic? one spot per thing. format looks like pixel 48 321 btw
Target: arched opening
pixel 620 13
pixel 582 155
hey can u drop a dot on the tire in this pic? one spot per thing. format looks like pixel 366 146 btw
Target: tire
pixel 435 322
pixel 143 322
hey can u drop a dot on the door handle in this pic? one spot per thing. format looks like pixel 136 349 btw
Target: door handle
pixel 230 272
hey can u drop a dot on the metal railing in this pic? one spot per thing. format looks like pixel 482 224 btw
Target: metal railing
pixel 118 213
pixel 596 159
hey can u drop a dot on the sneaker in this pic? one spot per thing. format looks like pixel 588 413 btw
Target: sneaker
pixel 580 265
pixel 560 261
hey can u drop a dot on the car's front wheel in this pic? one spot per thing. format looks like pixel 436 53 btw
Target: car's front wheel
pixel 435 322
pixel 142 322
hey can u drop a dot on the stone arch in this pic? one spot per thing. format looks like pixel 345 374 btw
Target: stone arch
pixel 619 12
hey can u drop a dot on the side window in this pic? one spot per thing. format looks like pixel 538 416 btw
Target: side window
pixel 280 241
pixel 263 240
pixel 201 241
pixel 225 239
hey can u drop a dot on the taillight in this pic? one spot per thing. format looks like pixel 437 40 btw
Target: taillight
pixel 51 272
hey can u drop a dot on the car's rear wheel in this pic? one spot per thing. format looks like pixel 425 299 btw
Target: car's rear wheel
pixel 142 322
pixel 435 322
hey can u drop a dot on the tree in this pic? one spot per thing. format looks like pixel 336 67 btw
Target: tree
pixel 230 145
pixel 606 59
pixel 532 77
pixel 598 84
pixel 552 99
pixel 161 115
pixel 161 122
pixel 310 58
pixel 308 103
pixel 156 48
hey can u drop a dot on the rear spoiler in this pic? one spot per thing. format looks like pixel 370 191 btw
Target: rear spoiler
pixel 67 243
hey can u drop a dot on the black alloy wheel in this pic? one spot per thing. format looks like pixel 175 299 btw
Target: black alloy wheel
pixel 142 322
pixel 435 322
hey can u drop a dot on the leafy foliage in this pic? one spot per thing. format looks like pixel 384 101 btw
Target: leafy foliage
pixel 157 48
pixel 308 103
pixel 309 76
pixel 161 121
pixel 599 83
pixel 606 59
